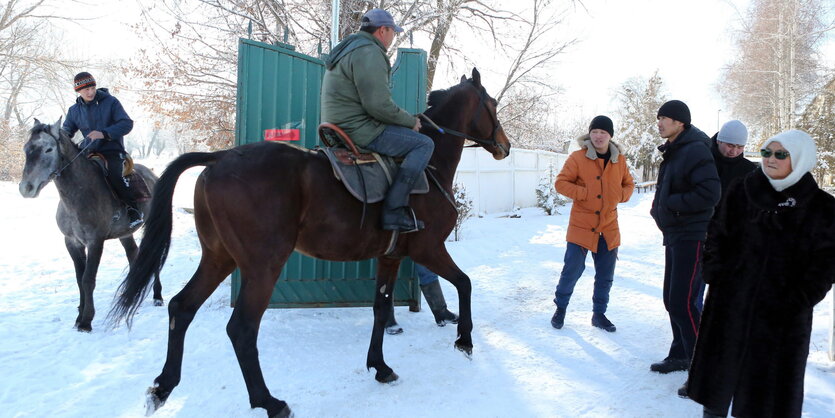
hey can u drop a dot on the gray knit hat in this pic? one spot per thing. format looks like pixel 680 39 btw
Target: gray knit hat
pixel 733 132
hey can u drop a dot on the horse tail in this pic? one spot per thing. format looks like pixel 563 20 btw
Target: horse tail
pixel 156 240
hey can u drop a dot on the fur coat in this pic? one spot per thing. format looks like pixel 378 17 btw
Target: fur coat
pixel 769 258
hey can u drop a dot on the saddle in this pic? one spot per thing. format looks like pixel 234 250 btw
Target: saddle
pixel 138 188
pixel 366 175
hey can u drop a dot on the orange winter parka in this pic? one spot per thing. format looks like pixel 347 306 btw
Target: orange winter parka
pixel 596 193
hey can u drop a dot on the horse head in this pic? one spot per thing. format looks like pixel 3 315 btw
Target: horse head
pixel 476 109
pixel 44 151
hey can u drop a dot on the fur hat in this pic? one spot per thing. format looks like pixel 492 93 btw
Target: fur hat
pixel 733 132
pixel 676 110
pixel 604 123
pixel 802 151
pixel 83 80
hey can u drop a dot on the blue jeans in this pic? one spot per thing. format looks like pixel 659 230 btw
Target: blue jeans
pixel 425 276
pixel 398 141
pixel 574 264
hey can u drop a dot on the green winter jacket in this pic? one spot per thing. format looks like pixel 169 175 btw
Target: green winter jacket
pixel 355 90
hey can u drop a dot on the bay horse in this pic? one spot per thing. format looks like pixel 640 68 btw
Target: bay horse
pixel 256 203
pixel 88 212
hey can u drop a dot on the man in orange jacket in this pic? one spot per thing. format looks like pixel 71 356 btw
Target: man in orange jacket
pixel 596 178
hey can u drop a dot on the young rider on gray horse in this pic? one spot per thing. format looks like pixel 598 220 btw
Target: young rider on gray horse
pixel 104 123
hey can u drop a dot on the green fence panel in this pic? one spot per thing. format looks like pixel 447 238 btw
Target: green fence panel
pixel 278 88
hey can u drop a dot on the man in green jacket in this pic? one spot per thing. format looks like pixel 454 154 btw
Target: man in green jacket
pixel 356 97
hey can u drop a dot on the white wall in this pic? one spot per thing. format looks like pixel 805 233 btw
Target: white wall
pixel 500 186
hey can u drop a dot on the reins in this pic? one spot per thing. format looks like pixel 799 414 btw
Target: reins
pixel 57 173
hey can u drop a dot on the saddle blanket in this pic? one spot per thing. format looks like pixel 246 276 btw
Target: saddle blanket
pixel 376 175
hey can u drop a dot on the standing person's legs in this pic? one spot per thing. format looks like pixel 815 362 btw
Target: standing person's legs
pixel 604 274
pixel 685 287
pixel 430 286
pixel 676 359
pixel 416 148
pixel 574 263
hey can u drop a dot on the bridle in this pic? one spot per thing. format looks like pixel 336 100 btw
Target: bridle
pixel 57 172
pixel 482 106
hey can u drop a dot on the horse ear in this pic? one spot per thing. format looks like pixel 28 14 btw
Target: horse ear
pixel 463 79
pixel 37 122
pixel 55 129
pixel 476 77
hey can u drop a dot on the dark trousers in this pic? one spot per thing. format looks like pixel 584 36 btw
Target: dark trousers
pixel 683 291
pixel 573 265
pixel 119 183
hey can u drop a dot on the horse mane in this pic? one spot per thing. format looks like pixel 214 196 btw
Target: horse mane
pixel 439 98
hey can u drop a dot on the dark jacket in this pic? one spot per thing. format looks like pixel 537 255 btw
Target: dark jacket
pixel 105 114
pixel 730 169
pixel 355 90
pixel 688 187
pixel 769 258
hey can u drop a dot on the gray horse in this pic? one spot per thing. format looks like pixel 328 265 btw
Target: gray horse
pixel 88 213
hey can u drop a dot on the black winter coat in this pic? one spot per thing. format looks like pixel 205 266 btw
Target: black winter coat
pixel 730 169
pixel 688 188
pixel 769 258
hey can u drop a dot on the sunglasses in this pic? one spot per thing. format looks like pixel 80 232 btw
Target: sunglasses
pixel 780 155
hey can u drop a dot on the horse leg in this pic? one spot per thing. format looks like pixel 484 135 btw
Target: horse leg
pixel 88 285
pixel 383 301
pixel 256 288
pixel 131 250
pixel 443 265
pixel 181 310
pixel 79 261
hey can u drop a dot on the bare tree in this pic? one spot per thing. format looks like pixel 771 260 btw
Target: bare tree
pixel 189 74
pixel 819 121
pixel 777 69
pixel 32 73
pixel 639 102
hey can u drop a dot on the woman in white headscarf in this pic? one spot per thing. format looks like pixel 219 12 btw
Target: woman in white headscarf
pixel 769 258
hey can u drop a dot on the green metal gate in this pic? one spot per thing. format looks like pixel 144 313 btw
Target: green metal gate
pixel 278 89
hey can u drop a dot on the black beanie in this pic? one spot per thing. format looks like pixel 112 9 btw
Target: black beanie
pixel 676 110
pixel 83 80
pixel 602 122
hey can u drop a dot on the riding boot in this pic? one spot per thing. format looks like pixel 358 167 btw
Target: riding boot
pixel 121 186
pixel 437 304
pixel 397 215
pixel 392 328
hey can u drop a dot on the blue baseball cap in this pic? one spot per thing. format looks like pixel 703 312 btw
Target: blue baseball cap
pixel 378 18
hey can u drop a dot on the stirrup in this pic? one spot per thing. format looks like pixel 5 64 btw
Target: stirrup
pixel 415 226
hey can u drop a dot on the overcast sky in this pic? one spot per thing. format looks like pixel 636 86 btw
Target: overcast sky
pixel 687 41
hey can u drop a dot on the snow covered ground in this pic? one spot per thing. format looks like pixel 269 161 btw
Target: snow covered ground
pixel 315 358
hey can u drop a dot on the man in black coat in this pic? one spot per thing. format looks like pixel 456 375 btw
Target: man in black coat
pixel 728 151
pixel 686 194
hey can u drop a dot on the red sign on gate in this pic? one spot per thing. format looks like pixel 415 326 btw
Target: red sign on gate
pixel 281 135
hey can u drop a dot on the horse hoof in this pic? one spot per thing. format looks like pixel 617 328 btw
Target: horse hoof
pixel 84 328
pixel 391 377
pixel 466 349
pixel 283 413
pixel 152 401
pixel 159 302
